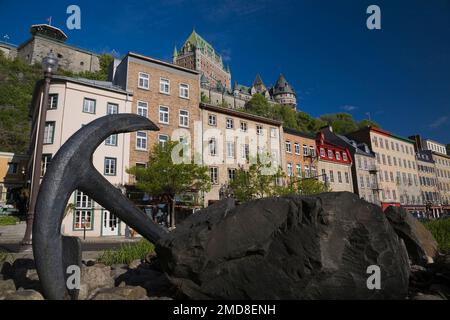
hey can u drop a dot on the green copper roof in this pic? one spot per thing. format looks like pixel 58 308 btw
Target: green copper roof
pixel 197 41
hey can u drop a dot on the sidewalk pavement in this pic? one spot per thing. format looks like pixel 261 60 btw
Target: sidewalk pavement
pixel 14 234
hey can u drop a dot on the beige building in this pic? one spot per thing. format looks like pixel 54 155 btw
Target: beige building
pixel 335 164
pixel 13 168
pixel 72 104
pixel 426 168
pixel 229 138
pixel 397 170
pixel 443 178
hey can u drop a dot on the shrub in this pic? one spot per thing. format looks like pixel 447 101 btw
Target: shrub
pixel 441 232
pixel 127 253
pixel 8 220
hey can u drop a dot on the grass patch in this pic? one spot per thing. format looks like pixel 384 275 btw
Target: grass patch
pixel 441 232
pixel 8 220
pixel 127 253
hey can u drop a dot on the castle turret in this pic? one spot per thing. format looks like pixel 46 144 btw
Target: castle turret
pixel 283 93
pixel 175 55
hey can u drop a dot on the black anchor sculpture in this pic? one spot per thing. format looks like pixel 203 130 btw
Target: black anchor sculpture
pixel 72 169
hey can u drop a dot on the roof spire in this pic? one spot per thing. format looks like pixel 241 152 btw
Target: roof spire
pixel 175 52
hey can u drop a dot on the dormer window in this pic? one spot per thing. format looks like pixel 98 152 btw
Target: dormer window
pixel 330 154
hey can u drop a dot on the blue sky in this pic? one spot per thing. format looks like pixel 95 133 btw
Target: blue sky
pixel 400 74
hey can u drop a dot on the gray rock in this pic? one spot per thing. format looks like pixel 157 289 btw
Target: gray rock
pixel 134 264
pixel 25 295
pixel 420 243
pixel 119 266
pixel 97 276
pixel 427 297
pixel 6 285
pixel 121 293
pixel 310 247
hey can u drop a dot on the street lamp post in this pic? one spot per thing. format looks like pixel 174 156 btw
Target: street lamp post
pixel 49 66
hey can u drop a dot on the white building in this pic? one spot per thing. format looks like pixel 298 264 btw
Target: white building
pixel 72 104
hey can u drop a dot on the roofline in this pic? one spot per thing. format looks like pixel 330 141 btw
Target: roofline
pixel 299 133
pixel 47 25
pixel 57 78
pixel 434 141
pixel 241 114
pixel 440 154
pixel 384 132
pixel 161 62
pixel 12 154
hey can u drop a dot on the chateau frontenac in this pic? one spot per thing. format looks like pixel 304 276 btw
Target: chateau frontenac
pixel 197 54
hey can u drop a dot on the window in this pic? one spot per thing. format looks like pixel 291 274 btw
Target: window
pixel 184 91
pixel 296 148
pixel 288 146
pixel 88 105
pixel 143 81
pixel 212 147
pixel 212 120
pixel 49 132
pixel 273 132
pixel 164 85
pixel 82 200
pixel 311 151
pixel 83 219
pixel 306 171
pixel 243 126
pixel 184 118
pixel 111 140
pixel 12 167
pixel 230 123
pixel 313 172
pixel 322 152
pixel 141 140
pixel 298 169
pixel 339 177
pixel 344 156
pixel 163 114
pixel 391 175
pixel 330 154
pixel 46 159
pixel 259 130
pixel 305 150
pixel 142 108
pixel 245 152
pixel 231 174
pixel 347 179
pixel 214 175
pixel 52 101
pixel 110 166
pixel 230 149
pixel 338 155
pixel 112 108
pixel 324 176
pixel 162 139
pixel 289 169
pixel 384 158
pixel 331 176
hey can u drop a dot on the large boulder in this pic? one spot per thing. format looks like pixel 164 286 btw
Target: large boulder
pixel 421 246
pixel 310 247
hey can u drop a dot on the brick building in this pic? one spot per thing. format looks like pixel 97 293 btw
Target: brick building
pixel 300 154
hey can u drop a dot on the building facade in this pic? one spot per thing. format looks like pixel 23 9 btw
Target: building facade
pixel 397 170
pixel 165 93
pixel 230 139
pixel 72 104
pixel 334 164
pixel 426 168
pixel 46 38
pixel 13 168
pixel 364 168
pixel 443 179
pixel 197 54
pixel 300 154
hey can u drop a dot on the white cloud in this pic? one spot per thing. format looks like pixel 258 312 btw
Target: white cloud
pixel 438 122
pixel 349 108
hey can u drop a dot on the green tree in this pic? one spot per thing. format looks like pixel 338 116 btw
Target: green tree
pixel 258 181
pixel 304 186
pixel 164 177
pixel 259 105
